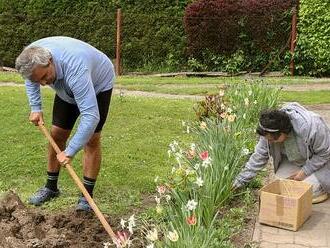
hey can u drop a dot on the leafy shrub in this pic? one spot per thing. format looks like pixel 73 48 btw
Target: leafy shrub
pixel 313 46
pixel 148 40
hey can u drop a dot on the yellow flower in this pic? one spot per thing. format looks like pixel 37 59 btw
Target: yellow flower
pixel 231 118
pixel 152 235
pixel 159 209
pixel 173 236
pixel 223 115
pixel 203 125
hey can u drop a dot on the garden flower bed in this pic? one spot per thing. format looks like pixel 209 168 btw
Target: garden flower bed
pixel 192 203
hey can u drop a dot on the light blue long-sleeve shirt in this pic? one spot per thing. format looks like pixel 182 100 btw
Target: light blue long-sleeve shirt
pixel 82 72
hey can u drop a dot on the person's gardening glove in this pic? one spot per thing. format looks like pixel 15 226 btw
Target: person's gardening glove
pixel 63 158
pixel 36 118
pixel 298 176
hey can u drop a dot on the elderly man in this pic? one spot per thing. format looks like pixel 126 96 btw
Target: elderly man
pixel 298 141
pixel 82 78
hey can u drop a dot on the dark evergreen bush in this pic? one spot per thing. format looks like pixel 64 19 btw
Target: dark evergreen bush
pixel 245 33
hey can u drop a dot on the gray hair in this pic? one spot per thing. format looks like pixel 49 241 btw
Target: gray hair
pixel 30 58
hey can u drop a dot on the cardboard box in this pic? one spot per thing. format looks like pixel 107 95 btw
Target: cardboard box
pixel 285 203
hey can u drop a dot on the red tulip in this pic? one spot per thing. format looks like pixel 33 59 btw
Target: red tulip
pixel 191 220
pixel 204 155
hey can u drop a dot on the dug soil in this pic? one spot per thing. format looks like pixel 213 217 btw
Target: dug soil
pixel 21 226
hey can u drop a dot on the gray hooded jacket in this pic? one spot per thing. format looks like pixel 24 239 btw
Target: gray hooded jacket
pixel 313 141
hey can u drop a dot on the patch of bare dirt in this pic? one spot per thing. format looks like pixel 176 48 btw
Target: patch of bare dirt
pixel 24 227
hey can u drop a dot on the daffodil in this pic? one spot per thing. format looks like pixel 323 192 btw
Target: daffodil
pixel 152 235
pixel 123 223
pixel 191 205
pixel 173 236
pixel 203 125
pixel 199 181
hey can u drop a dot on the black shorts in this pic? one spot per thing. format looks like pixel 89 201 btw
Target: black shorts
pixel 65 114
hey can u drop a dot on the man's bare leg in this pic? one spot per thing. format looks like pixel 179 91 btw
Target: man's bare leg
pixel 50 190
pixel 60 136
pixel 92 156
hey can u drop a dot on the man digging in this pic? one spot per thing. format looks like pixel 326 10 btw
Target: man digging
pixel 82 78
pixel 298 141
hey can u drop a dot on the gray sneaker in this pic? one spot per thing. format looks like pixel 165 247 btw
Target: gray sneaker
pixel 43 195
pixel 83 205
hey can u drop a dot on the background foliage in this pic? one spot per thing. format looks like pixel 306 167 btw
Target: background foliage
pixel 313 47
pixel 174 35
pixel 229 35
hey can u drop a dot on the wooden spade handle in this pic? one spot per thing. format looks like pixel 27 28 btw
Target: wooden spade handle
pixel 76 179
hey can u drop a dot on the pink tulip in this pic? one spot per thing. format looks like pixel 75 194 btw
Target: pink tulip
pixel 204 155
pixel 191 220
pixel 161 189
pixel 122 239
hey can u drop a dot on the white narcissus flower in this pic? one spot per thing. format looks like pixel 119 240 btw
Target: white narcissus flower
pixel 167 197
pixel 255 101
pixel 196 166
pixel 150 246
pixel 193 146
pixel 173 236
pixel 250 92
pixel 123 223
pixel 203 125
pixel 189 172
pixel 131 221
pixel 157 199
pixel 229 110
pixel 221 92
pixel 152 235
pixel 246 102
pixel 245 151
pixel 106 245
pixel 130 228
pixel 191 205
pixel 199 181
pixel 206 163
pixel 188 129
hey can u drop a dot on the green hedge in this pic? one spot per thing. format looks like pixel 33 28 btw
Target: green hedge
pixel 153 36
pixel 151 40
pixel 313 46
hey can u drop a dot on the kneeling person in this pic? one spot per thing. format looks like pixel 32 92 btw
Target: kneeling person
pixel 298 141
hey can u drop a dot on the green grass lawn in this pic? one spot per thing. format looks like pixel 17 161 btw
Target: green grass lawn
pixel 10 77
pixel 143 81
pixel 306 97
pixel 135 141
pixel 201 86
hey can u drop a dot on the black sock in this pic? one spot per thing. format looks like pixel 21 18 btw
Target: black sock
pixel 89 184
pixel 52 180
